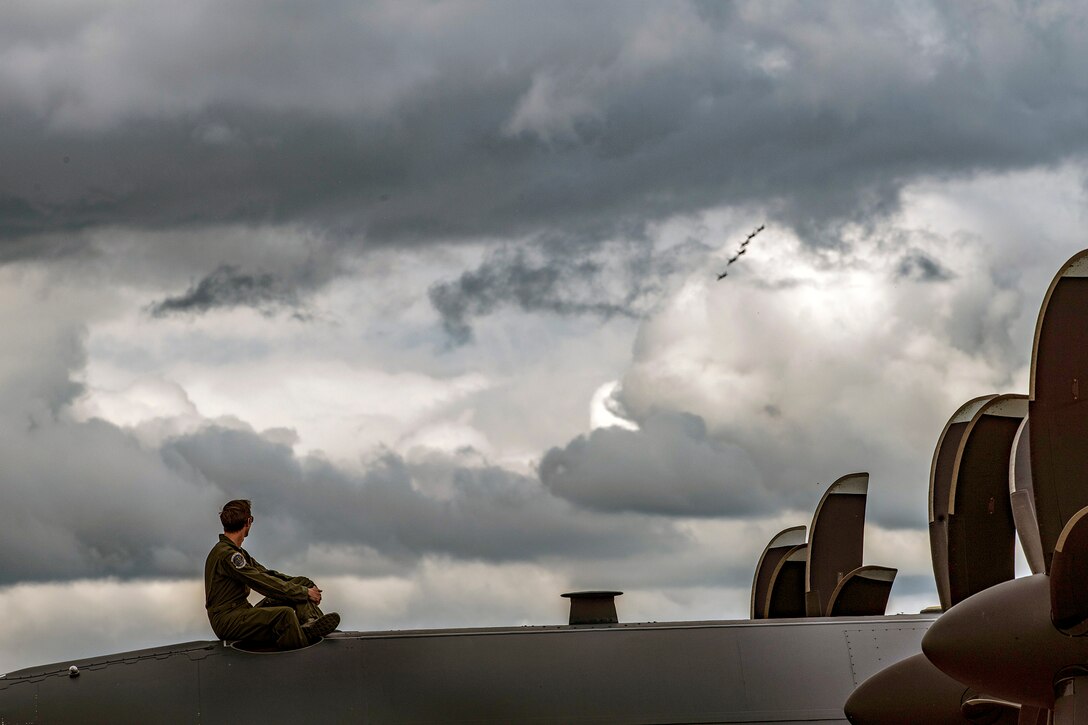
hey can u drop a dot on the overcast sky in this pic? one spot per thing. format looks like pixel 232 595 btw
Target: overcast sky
pixel 436 286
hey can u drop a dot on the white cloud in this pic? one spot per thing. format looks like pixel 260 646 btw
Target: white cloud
pixel 337 406
pixel 63 622
pixel 604 409
pixel 817 362
pixel 334 407
pixel 144 400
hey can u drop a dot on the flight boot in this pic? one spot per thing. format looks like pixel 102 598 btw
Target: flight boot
pixel 318 627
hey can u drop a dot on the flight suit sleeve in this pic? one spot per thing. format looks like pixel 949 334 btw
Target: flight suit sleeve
pixel 262 580
pixel 280 575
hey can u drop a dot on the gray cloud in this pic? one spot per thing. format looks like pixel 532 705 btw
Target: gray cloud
pixel 273 148
pixel 114 508
pixel 552 286
pixel 484 512
pixel 829 373
pixel 918 267
pixel 38 385
pixel 228 287
pixel 670 466
pixel 519 118
pixel 105 507
pixel 624 280
pixel 89 499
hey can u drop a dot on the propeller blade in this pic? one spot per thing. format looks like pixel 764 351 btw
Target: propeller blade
pixel 1022 497
pixel 779 546
pixel 1068 569
pixel 862 593
pixel 986 709
pixel 971 526
pixel 836 540
pixel 980 529
pixel 940 484
pixel 1012 639
pixel 1058 408
pixel 786 589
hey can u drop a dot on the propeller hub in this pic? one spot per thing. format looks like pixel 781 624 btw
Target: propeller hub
pixel 1001 642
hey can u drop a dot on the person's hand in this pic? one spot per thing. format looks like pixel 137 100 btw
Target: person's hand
pixel 315 595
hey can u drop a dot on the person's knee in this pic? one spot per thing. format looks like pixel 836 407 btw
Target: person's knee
pixel 280 613
pixel 286 628
pixel 283 618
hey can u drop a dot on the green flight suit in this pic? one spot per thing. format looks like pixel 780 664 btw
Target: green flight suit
pixel 229 573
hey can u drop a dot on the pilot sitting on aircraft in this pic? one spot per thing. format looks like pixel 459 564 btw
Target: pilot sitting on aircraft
pixel 288 617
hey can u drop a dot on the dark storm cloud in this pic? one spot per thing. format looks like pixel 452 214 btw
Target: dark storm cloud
pixel 404 124
pixel 921 268
pixel 114 508
pixel 370 122
pixel 559 278
pixel 116 512
pixel 90 499
pixel 669 467
pixel 486 513
pixel 36 381
pixel 228 287
pixel 109 505
pixel 551 286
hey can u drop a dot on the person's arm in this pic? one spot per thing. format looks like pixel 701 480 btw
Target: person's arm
pixel 279 575
pixel 262 580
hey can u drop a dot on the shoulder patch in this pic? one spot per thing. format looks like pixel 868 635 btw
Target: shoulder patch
pixel 237 560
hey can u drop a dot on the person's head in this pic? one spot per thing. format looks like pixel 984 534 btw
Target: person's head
pixel 235 515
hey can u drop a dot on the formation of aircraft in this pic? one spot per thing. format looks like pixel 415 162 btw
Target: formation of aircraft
pixel 818 646
pixel 741 251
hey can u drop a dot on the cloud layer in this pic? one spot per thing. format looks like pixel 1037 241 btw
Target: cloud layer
pixel 369 264
pixel 515 121
pixel 668 466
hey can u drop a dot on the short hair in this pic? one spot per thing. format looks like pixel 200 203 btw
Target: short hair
pixel 235 514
